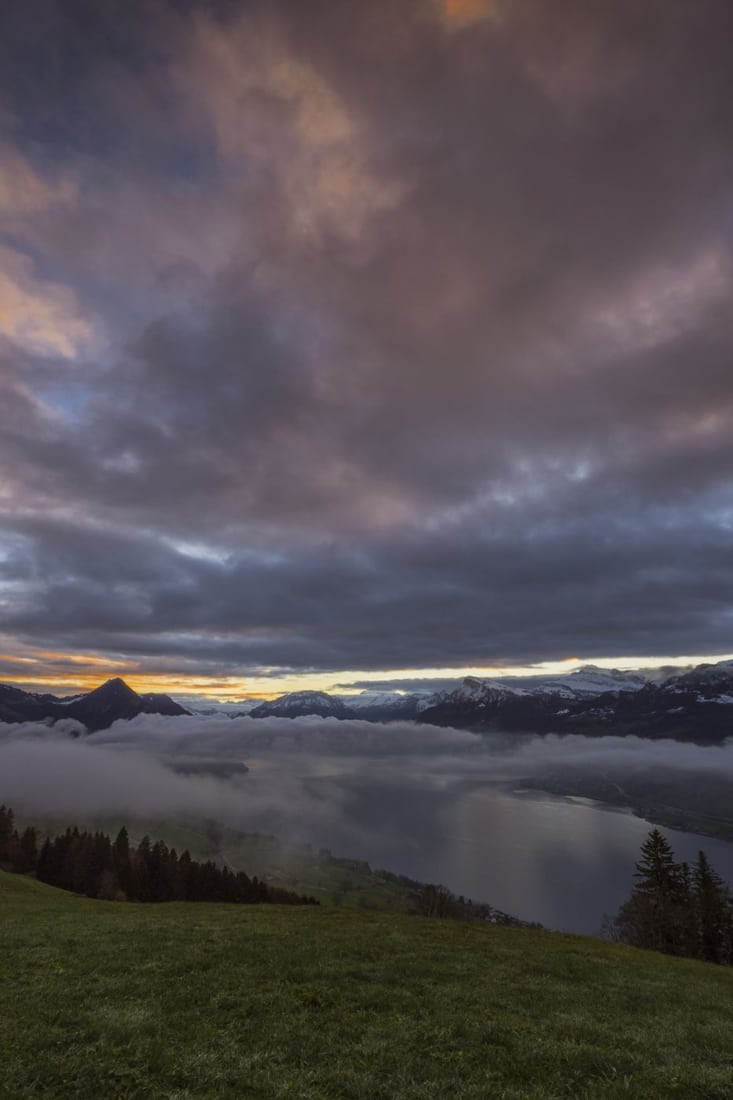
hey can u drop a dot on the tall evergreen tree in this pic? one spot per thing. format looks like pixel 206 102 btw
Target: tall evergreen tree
pixel 675 909
pixel 656 916
pixel 121 861
pixel 713 911
pixel 28 850
pixel 7 827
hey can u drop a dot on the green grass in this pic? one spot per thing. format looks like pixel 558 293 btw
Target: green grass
pixel 102 1000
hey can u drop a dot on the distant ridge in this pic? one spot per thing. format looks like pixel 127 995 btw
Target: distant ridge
pixel 691 705
pixel 369 706
pixel 296 704
pixel 694 705
pixel 97 709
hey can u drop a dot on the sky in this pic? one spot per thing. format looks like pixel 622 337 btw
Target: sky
pixel 343 342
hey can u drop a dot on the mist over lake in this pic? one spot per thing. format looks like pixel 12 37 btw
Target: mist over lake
pixel 437 804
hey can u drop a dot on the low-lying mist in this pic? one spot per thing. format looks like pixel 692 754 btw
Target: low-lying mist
pixel 438 803
pixel 296 775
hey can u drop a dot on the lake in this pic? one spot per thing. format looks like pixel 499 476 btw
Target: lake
pixel 560 861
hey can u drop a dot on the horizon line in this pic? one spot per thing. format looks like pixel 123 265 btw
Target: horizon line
pixel 271 683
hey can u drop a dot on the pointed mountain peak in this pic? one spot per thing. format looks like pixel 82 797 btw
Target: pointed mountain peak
pixel 116 688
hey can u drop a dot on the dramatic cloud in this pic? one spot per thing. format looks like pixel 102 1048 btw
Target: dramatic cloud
pixel 366 336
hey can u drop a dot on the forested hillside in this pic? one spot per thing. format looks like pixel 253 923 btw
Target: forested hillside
pixel 114 870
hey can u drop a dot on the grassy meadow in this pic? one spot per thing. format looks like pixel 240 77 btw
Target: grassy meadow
pixel 118 1000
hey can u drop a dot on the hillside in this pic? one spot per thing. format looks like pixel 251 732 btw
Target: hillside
pixel 202 1001
pixel 303 869
pixel 332 880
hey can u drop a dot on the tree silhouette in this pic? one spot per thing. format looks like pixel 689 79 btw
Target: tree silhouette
pixel 674 909
pixel 92 864
pixel 714 915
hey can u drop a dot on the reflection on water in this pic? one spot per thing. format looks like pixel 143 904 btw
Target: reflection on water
pixel 560 861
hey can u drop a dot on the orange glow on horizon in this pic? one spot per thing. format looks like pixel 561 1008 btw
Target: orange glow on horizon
pixel 71 674
pixel 461 13
pixel 143 683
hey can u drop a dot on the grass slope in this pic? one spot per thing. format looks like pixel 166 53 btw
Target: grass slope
pixel 180 1001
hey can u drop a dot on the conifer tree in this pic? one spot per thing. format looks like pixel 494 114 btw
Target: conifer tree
pixel 656 915
pixel 121 861
pixel 713 912
pixel 675 909
pixel 28 850
pixel 44 865
pixel 7 825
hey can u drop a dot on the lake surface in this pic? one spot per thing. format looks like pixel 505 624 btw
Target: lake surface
pixel 562 862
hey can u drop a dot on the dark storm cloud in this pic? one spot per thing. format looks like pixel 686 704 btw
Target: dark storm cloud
pixel 366 335
pixel 464 596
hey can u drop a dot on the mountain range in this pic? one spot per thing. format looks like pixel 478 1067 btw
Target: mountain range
pixel 695 704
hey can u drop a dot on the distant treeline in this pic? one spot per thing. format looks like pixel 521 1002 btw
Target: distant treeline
pixel 676 908
pixel 115 870
pixel 433 900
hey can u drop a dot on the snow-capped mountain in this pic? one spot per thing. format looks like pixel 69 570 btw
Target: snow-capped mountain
pixel 297 704
pixel 707 682
pixel 693 705
pixel 386 706
pixel 368 699
pixel 585 681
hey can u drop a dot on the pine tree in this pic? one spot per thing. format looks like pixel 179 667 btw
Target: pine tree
pixel 676 910
pixel 28 846
pixel 656 867
pixel 656 914
pixel 44 865
pixel 7 826
pixel 141 871
pixel 121 861
pixel 713 912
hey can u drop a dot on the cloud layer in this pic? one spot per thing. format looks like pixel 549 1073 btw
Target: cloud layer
pixel 431 802
pixel 394 336
pixel 235 769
